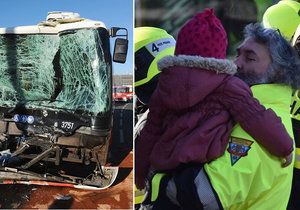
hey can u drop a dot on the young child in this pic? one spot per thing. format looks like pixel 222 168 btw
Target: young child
pixel 198 101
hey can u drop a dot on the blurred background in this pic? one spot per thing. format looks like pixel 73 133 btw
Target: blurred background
pixel 172 14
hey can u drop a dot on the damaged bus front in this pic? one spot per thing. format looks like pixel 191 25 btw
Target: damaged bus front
pixel 56 101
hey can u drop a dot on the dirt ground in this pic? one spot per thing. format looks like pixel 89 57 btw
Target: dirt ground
pixel 118 196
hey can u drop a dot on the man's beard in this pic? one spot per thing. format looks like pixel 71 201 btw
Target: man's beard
pixel 253 78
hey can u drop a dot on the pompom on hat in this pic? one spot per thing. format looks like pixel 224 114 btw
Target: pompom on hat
pixel 203 35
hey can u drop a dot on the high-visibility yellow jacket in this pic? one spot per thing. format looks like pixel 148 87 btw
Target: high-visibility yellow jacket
pixel 247 176
pixel 295 115
pixel 295 106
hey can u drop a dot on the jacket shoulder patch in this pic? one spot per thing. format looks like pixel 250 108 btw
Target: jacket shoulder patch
pixel 238 148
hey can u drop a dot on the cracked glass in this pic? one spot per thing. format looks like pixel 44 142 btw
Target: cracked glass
pixel 65 71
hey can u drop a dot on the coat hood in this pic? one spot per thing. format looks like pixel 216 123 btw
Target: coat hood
pixel 187 80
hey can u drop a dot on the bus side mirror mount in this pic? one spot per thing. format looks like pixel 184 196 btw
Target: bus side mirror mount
pixel 121 44
pixel 120 50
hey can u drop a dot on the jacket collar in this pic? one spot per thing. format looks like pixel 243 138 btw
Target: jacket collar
pixel 213 64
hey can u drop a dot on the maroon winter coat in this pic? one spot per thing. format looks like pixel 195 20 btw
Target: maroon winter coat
pixel 192 113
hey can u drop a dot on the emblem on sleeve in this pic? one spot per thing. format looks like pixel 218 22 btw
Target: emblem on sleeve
pixel 238 148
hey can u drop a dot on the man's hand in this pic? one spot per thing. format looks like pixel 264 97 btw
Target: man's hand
pixel 287 160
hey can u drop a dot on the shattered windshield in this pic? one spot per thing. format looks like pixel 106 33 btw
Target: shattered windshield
pixel 67 71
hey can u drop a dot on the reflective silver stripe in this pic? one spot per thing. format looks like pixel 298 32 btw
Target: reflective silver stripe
pixel 297 157
pixel 205 192
pixel 171 192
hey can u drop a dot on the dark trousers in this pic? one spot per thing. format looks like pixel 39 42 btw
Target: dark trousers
pixel 187 196
pixel 294 202
pixel 163 202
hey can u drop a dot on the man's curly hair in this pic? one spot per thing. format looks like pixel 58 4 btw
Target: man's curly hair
pixel 285 64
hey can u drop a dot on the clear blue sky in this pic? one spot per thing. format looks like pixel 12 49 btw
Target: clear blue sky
pixel 112 12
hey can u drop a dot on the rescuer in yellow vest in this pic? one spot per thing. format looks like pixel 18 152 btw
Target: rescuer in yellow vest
pixel 246 176
pixel 150 45
pixel 285 16
pixel 294 202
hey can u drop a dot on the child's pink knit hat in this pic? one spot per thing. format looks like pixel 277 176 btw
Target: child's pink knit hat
pixel 203 35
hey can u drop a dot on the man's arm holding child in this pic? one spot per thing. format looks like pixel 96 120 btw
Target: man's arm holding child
pixel 261 123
